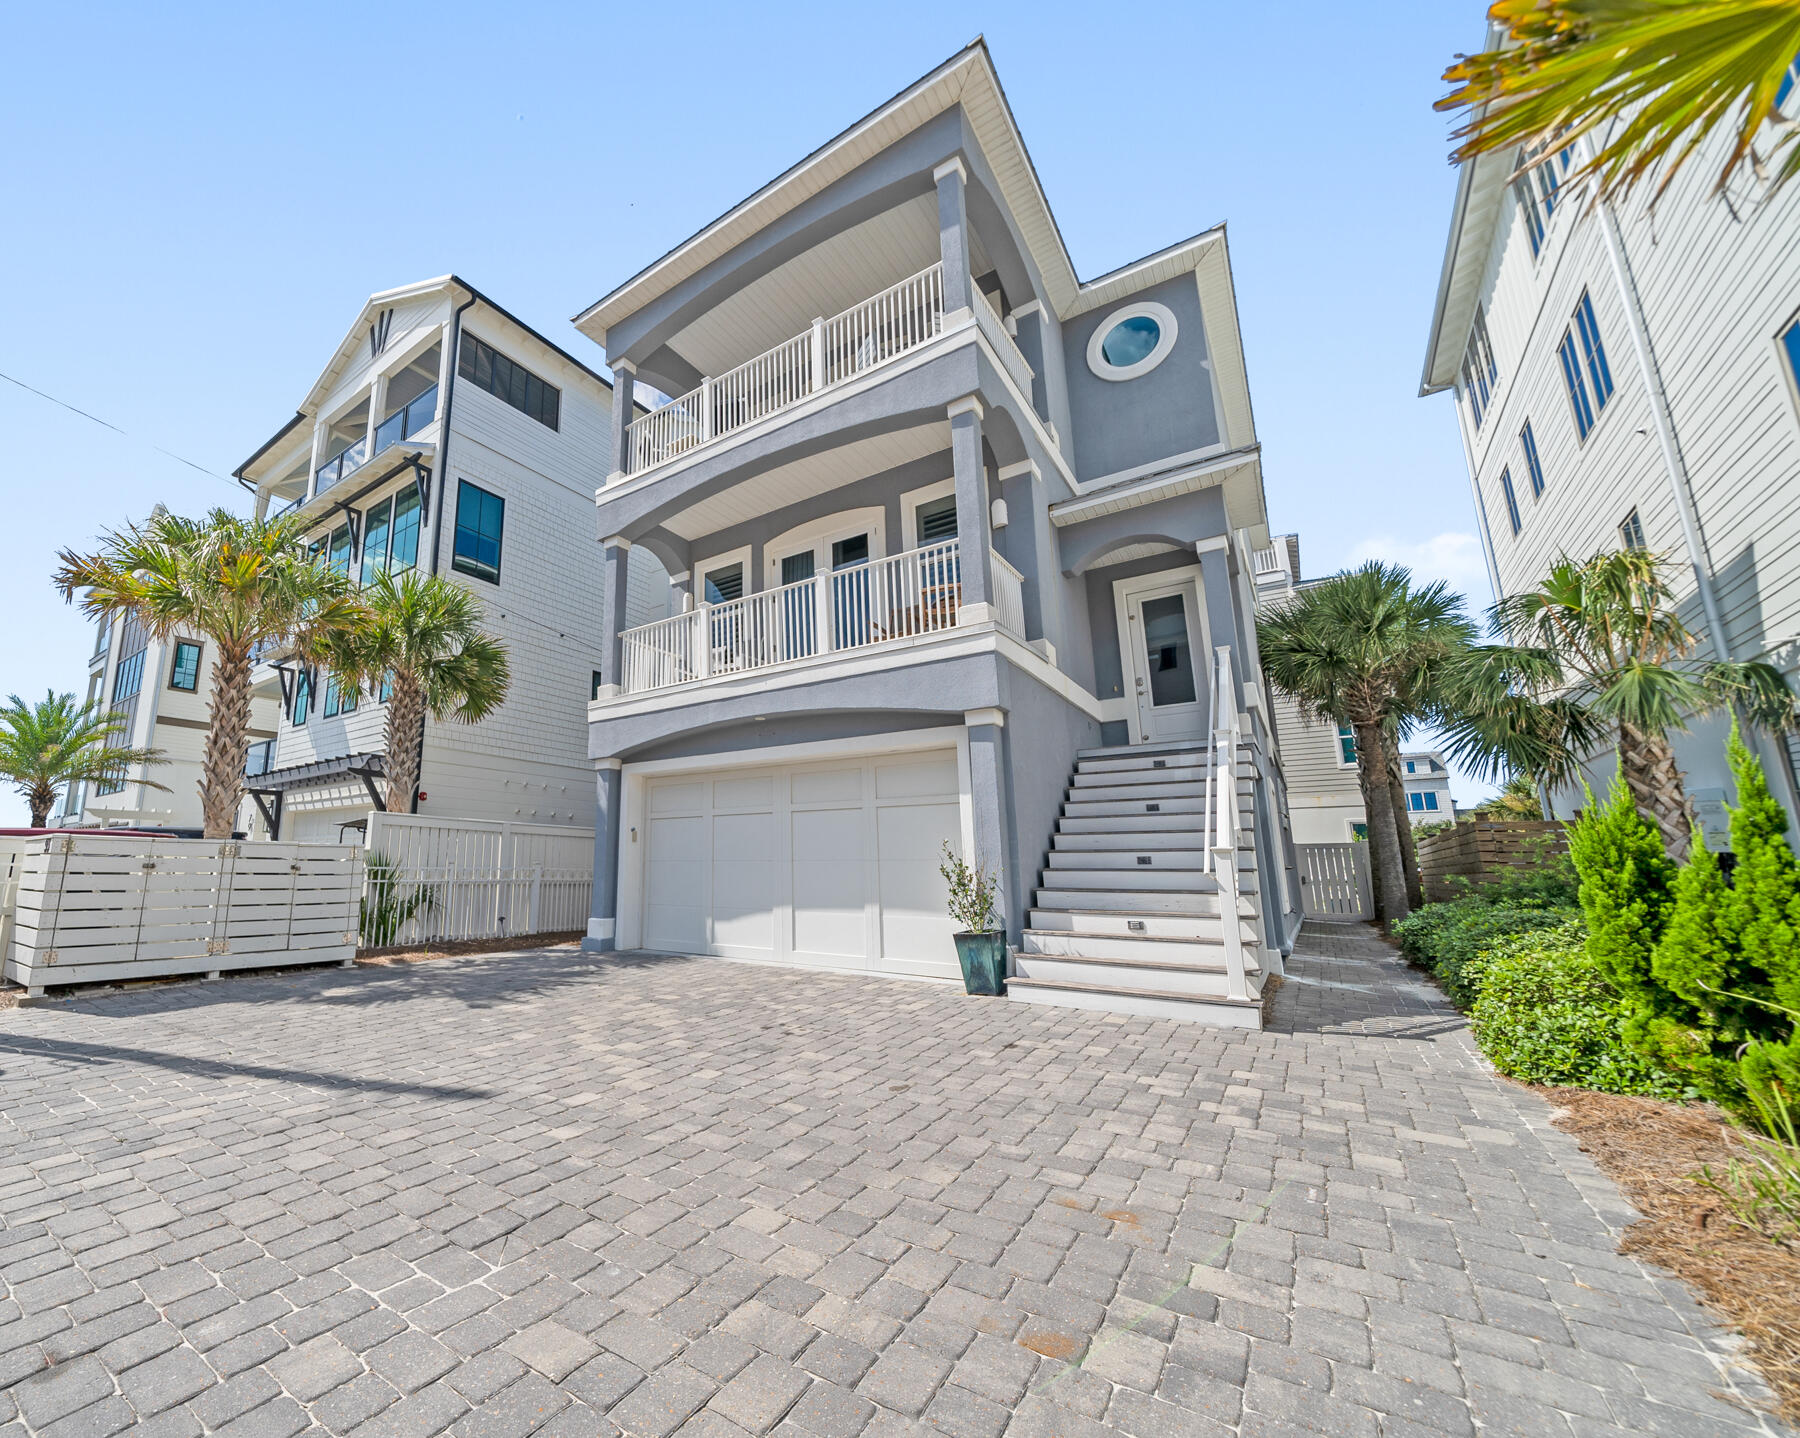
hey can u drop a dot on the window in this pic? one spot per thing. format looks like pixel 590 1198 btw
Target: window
pixel 1537 190
pixel 377 525
pixel 1132 341
pixel 594 687
pixel 184 673
pixel 723 585
pixel 1409 767
pixel 1593 351
pixel 1431 801
pixel 480 525
pixel 338 700
pixel 1480 374
pixel 1586 373
pixel 1512 500
pixel 1790 347
pixel 1788 81
pixel 338 555
pixel 302 696
pixel 1528 442
pixel 518 386
pixel 1346 746
pixel 387 688
pixel 403 540
pixel 1425 803
pixel 1631 531
pixel 1359 831
pixel 936 519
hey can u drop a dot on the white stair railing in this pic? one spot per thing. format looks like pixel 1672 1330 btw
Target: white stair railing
pixel 1009 594
pixel 900 318
pixel 1224 830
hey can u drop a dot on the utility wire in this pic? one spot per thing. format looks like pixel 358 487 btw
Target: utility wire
pixel 74 409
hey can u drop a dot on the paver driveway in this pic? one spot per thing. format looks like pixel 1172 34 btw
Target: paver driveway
pixel 493 1194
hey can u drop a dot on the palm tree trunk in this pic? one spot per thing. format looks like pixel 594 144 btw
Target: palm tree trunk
pixel 227 741
pixel 1409 854
pixel 1384 835
pixel 41 799
pixel 405 729
pixel 1647 765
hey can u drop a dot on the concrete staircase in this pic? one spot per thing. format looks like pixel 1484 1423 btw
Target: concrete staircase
pixel 1125 919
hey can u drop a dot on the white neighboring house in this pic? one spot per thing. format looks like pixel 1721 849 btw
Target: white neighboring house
pixel 447 434
pixel 1324 791
pixel 1427 783
pixel 1629 378
pixel 162 689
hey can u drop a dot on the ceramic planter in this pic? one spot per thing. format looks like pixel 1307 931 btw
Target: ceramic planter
pixel 983 960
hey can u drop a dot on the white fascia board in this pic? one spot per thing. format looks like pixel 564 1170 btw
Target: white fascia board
pixel 1147 490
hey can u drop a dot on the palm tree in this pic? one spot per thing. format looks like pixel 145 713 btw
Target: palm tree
pixel 1599 653
pixel 423 645
pixel 243 583
pixel 1650 78
pixel 1367 649
pixel 1517 799
pixel 57 742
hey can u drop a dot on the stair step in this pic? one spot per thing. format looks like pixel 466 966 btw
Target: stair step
pixel 1147 763
pixel 1118 923
pixel 1138 860
pixel 1088 807
pixel 1122 826
pixel 1226 1013
pixel 1117 901
pixel 1186 836
pixel 1167 746
pixel 1132 950
pixel 1191 980
pixel 1157 790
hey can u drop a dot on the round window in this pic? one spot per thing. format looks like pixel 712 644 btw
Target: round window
pixel 1132 341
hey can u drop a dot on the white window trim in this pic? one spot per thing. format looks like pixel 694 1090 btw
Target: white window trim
pixel 820 534
pixel 1165 341
pixel 913 498
pixel 1789 378
pixel 723 561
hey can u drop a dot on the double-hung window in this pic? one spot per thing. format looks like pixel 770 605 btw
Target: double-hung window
pixel 1480 374
pixel 1586 373
pixel 1528 443
pixel 184 673
pixel 480 529
pixel 1631 531
pixel 1512 500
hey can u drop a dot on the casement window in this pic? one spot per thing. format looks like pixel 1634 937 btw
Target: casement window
pixel 1512 500
pixel 1528 443
pixel 1480 374
pixel 1631 531
pixel 1346 737
pixel 338 699
pixel 184 673
pixel 1426 803
pixel 483 365
pixel 480 528
pixel 1586 373
pixel 302 697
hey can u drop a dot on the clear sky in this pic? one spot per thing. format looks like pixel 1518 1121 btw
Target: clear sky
pixel 196 200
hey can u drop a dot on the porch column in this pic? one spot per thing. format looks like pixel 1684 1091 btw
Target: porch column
pixel 1221 616
pixel 972 520
pixel 682 585
pixel 624 382
pixel 615 561
pixel 992 803
pixel 1031 546
pixel 953 239
pixel 603 911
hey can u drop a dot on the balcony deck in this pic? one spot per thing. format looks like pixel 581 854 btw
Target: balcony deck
pixel 902 597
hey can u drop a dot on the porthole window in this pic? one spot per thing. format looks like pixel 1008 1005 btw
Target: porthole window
pixel 1132 341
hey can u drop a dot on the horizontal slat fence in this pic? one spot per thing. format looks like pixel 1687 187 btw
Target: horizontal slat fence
pixel 90 908
pixel 1478 849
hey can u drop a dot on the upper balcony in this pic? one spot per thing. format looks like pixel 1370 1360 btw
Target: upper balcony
pixel 828 354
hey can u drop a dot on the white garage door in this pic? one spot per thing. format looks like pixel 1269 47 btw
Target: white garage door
pixel 828 865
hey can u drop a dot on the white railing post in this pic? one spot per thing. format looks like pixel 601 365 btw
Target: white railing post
pixel 823 586
pixel 706 410
pixel 537 885
pixel 817 378
pixel 1225 829
pixel 702 641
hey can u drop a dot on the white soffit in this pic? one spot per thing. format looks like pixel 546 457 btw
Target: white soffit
pixel 967 79
pixel 1481 195
pixel 802 479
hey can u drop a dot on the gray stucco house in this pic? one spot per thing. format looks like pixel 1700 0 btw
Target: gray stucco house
pixel 961 547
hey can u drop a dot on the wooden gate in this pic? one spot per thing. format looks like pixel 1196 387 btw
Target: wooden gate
pixel 1335 883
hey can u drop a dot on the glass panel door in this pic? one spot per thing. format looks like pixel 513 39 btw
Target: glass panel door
pixel 799 607
pixel 1168 653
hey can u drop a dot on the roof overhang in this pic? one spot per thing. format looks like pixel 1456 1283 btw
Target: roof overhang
pixel 968 79
pixel 298 776
pixel 1481 187
pixel 1238 473
pixel 1139 275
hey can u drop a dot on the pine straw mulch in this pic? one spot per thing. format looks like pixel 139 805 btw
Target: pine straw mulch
pixel 1652 1150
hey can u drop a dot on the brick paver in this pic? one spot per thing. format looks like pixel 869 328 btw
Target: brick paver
pixel 544 1193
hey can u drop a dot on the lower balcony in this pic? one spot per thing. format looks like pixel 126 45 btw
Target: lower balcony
pixel 903 597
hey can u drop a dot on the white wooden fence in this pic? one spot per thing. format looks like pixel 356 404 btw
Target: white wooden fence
pixel 90 907
pixel 414 841
pixel 1335 881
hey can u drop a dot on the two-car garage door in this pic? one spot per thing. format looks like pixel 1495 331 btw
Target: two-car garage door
pixel 826 865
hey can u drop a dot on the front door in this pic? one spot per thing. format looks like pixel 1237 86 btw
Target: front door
pixel 1166 645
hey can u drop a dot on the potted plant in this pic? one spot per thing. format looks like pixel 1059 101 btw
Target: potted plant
pixel 980 949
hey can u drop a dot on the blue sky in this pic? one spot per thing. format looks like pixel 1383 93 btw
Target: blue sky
pixel 199 198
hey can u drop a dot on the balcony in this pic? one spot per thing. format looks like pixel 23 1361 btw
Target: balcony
pixel 408 421
pixel 341 465
pixel 831 353
pixel 906 596
pixel 259 759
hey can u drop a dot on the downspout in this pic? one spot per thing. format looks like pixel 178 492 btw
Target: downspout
pixel 443 489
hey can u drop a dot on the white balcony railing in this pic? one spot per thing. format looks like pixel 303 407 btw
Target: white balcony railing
pixel 898 319
pixel 901 597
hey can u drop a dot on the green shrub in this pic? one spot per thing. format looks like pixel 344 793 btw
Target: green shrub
pixel 1547 1015
pixel 1449 938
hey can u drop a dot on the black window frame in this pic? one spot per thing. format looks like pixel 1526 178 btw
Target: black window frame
pixel 1631 531
pixel 475 568
pixel 175 666
pixel 507 380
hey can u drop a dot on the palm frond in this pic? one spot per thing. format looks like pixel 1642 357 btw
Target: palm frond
pixel 1648 79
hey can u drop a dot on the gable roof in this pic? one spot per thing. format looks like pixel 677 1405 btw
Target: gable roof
pixel 967 78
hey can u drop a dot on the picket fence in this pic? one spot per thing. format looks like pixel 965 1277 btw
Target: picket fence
pixel 1335 881
pixel 83 908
